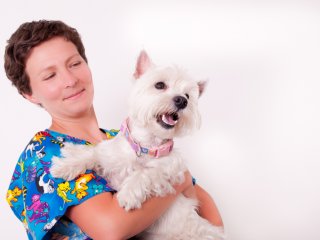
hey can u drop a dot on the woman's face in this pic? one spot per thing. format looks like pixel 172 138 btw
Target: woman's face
pixel 60 79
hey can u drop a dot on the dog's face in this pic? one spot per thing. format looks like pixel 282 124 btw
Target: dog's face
pixel 164 100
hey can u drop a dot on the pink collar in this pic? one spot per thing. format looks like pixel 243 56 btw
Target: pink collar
pixel 156 152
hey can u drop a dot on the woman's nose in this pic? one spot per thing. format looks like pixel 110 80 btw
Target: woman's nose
pixel 69 79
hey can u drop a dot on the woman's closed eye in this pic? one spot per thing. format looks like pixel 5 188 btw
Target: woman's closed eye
pixel 75 64
pixel 49 76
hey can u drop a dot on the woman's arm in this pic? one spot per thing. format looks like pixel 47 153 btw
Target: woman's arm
pixel 101 216
pixel 208 208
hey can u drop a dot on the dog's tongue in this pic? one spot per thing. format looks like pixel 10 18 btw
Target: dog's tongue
pixel 169 119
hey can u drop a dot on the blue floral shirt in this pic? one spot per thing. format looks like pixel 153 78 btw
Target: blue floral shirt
pixel 40 200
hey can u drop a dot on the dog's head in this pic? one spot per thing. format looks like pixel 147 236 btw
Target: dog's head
pixel 164 100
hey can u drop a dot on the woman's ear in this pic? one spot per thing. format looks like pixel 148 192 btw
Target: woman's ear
pixel 31 98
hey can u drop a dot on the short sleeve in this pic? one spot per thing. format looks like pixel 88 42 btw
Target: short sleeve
pixel 40 200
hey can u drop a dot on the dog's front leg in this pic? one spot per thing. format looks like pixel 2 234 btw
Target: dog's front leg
pixel 140 185
pixel 75 160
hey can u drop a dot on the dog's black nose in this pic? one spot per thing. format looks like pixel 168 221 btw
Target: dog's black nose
pixel 180 102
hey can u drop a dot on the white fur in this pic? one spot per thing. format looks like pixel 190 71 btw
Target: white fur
pixel 139 178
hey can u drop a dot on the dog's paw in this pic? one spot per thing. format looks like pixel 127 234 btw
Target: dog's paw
pixel 60 168
pixel 162 187
pixel 75 161
pixel 56 168
pixel 129 200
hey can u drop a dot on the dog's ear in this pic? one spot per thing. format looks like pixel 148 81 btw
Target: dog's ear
pixel 143 64
pixel 202 86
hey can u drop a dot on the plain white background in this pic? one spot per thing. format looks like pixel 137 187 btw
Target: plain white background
pixel 258 149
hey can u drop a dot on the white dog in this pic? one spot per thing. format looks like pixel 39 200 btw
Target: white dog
pixel 140 161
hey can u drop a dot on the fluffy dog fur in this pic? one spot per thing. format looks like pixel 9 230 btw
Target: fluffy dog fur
pixel 155 115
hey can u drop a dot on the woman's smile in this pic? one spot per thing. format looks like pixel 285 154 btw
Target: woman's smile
pixel 75 95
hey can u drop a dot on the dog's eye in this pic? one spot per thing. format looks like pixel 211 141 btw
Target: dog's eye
pixel 187 95
pixel 160 85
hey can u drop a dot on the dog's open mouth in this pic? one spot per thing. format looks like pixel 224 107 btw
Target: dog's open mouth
pixel 168 120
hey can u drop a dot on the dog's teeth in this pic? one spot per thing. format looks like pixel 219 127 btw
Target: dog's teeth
pixel 167 118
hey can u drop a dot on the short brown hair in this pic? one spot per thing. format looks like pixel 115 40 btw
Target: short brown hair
pixel 27 36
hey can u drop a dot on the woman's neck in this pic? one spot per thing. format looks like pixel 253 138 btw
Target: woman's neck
pixel 85 127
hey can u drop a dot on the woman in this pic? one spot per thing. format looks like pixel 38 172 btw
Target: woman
pixel 46 62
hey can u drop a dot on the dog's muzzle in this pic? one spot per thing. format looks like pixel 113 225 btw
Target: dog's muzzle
pixel 170 119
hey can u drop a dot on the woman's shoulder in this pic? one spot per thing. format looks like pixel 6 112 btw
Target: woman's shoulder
pixel 45 144
pixel 48 142
pixel 37 198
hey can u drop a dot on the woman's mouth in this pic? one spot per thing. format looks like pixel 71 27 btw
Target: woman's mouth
pixel 74 95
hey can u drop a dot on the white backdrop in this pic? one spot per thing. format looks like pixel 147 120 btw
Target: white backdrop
pixel 258 150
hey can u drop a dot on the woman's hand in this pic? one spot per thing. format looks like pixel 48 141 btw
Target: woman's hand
pixel 190 192
pixel 207 207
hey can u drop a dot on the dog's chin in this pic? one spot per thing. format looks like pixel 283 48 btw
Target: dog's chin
pixel 168 120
